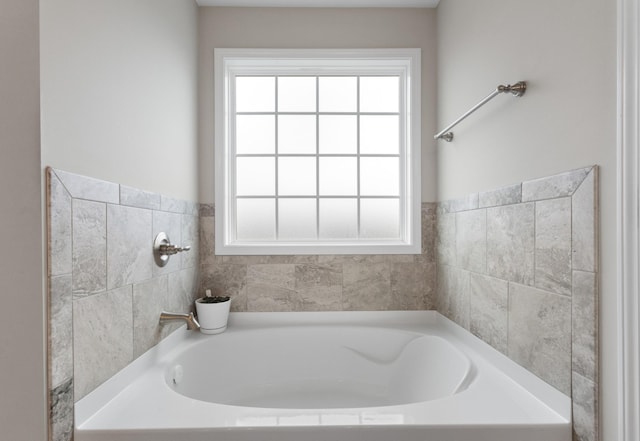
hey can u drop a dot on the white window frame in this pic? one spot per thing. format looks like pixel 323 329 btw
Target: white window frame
pixel 236 62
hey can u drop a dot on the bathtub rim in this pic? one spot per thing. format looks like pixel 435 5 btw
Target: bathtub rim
pixel 555 400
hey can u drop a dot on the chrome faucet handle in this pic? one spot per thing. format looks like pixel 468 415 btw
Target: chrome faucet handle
pixel 170 249
pixel 163 249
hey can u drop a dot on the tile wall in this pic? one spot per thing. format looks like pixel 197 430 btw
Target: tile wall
pixel 105 291
pixel 518 267
pixel 321 282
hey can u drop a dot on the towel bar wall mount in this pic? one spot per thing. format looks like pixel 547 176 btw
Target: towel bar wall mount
pixel 518 89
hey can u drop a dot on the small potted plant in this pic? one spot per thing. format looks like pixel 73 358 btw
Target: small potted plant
pixel 213 313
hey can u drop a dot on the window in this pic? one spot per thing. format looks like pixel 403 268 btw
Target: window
pixel 317 151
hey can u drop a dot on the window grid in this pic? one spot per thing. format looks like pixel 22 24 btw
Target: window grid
pixel 317 157
pixel 358 232
pixel 358 196
pixel 276 146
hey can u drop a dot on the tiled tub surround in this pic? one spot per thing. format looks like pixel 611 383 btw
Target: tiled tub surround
pixel 321 282
pixel 518 267
pixel 105 291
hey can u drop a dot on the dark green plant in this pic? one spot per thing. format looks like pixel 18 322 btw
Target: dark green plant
pixel 214 299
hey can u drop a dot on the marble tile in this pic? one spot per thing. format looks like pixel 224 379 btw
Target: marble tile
pixel 206 210
pixel 340 259
pixel 563 184
pixel 584 312
pixel 471 240
pixel 539 334
pixel 444 288
pixel 84 187
pixel 329 259
pixel 510 243
pixel 133 197
pixel 446 239
pixel 89 247
pixel 207 241
pixel 488 310
pixel 226 279
pixel 430 292
pixel 271 288
pixel 190 237
pixel 102 338
pixel 428 253
pixel 408 286
pixel 459 302
pixel 61 412
pixel 399 258
pixel 585 409
pixel 318 287
pixel 585 224
pixel 468 202
pixel 149 300
pixel 429 208
pixel 366 287
pixel 553 245
pixel 501 196
pixel 192 208
pixel 172 204
pixel 60 329
pixel 553 223
pixel 452 294
pixel 129 245
pixel 171 224
pixel 183 290
pixel 270 260
pixel 59 216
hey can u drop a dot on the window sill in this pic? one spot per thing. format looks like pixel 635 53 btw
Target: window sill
pixel 301 248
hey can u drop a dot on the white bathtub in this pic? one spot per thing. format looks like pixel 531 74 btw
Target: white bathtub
pixel 325 376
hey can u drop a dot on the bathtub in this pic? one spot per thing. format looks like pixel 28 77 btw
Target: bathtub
pixel 374 376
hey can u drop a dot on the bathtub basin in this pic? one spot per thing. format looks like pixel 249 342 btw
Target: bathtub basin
pixel 325 376
pixel 319 367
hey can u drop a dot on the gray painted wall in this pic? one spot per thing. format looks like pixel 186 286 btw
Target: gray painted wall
pixel 22 341
pixel 119 98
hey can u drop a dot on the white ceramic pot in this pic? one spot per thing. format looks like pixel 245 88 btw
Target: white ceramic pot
pixel 213 316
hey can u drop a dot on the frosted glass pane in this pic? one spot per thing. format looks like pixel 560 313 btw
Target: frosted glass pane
pixel 379 218
pixel 379 176
pixel 379 134
pixel 255 176
pixel 256 219
pixel 297 176
pixel 255 134
pixel 255 94
pixel 296 134
pixel 296 94
pixel 338 218
pixel 338 176
pixel 296 219
pixel 338 134
pixel 338 94
pixel 379 94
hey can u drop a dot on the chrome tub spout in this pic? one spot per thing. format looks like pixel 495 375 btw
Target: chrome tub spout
pixel 170 317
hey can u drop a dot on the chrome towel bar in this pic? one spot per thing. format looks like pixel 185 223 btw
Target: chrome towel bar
pixel 517 89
